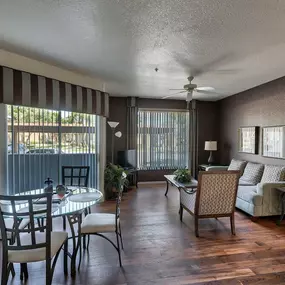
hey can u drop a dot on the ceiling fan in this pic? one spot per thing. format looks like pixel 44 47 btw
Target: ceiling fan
pixel 190 88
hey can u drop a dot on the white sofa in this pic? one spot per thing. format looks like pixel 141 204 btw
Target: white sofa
pixel 257 194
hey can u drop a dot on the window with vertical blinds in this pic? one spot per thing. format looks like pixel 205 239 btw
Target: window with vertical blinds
pixel 163 139
pixel 41 141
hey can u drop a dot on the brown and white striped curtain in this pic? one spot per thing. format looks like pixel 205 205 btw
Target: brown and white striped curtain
pixel 132 122
pixel 193 138
pixel 25 89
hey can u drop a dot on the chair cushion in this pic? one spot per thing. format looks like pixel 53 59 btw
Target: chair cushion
pixel 249 194
pixel 252 173
pixel 9 222
pixel 98 223
pixel 237 165
pixel 39 254
pixel 273 173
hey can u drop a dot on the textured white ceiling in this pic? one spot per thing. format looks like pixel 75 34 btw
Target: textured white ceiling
pixel 231 45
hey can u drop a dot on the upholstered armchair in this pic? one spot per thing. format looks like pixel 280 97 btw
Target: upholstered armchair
pixel 214 197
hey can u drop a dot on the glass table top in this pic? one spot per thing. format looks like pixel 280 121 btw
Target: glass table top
pixel 77 199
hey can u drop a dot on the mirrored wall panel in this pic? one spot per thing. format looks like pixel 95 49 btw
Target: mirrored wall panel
pixel 273 141
pixel 248 139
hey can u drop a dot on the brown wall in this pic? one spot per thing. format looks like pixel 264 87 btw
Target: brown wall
pixel 261 106
pixel 207 127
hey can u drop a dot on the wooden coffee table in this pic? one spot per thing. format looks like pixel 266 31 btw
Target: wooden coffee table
pixel 170 180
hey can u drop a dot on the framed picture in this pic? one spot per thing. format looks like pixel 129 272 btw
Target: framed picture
pixel 248 138
pixel 273 141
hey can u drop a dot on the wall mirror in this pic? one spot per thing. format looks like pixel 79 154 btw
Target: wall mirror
pixel 248 139
pixel 273 141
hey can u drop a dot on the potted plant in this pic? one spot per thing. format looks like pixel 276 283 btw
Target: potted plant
pixel 182 175
pixel 115 177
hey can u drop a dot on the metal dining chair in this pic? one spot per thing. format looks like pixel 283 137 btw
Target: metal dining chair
pixel 101 223
pixel 33 244
pixel 75 175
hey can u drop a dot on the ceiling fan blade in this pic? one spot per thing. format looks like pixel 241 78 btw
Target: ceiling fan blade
pixel 177 89
pixel 207 92
pixel 205 88
pixel 171 95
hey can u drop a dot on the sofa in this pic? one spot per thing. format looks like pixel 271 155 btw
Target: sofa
pixel 257 194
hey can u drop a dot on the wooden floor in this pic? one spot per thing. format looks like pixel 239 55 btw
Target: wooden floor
pixel 160 250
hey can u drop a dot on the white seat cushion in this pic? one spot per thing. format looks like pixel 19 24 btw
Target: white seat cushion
pixel 9 222
pixel 39 254
pixel 98 223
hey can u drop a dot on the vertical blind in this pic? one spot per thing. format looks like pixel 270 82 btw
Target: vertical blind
pixel 163 139
pixel 41 141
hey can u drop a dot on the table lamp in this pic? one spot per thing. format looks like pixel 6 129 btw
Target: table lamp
pixel 211 146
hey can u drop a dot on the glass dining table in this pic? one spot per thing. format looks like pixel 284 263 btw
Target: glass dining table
pixel 72 205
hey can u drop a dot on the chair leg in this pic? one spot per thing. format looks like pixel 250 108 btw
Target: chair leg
pixel 65 249
pixel 118 249
pixel 196 226
pixel 12 269
pixel 181 212
pixel 24 275
pixel 80 254
pixel 5 272
pixel 121 235
pixel 48 272
pixel 233 224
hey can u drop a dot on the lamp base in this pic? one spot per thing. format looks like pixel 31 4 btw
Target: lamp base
pixel 211 158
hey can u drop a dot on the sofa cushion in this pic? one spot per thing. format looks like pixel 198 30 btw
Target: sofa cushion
pixel 237 165
pixel 249 194
pixel 273 173
pixel 244 183
pixel 252 173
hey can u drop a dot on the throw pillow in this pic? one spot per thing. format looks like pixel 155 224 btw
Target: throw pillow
pixel 252 173
pixel 237 165
pixel 273 173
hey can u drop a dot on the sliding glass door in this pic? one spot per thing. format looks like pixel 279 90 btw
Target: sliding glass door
pixel 41 141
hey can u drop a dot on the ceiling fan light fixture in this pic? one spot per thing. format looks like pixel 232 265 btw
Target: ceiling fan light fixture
pixel 189 96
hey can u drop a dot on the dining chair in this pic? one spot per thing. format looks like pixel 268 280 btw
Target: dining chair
pixel 214 197
pixel 9 224
pixel 32 244
pixel 101 223
pixel 75 175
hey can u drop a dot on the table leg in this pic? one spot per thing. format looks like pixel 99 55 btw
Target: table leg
pixel 282 208
pixel 167 186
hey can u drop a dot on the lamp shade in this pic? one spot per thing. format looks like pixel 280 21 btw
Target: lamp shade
pixel 210 145
pixel 118 134
pixel 113 125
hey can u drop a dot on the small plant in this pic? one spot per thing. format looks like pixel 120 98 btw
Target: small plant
pixel 182 175
pixel 115 177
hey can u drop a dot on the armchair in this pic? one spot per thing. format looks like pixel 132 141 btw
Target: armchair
pixel 214 197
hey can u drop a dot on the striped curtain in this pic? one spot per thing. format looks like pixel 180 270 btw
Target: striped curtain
pixel 132 125
pixel 163 139
pixel 193 141
pixel 25 89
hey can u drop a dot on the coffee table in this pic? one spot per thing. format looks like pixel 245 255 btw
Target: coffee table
pixel 170 180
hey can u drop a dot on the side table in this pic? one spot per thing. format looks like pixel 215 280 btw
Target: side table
pixel 282 201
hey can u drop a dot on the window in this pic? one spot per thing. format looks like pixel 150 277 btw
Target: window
pixel 41 141
pixel 163 139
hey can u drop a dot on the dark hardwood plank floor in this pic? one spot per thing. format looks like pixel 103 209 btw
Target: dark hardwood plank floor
pixel 159 250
